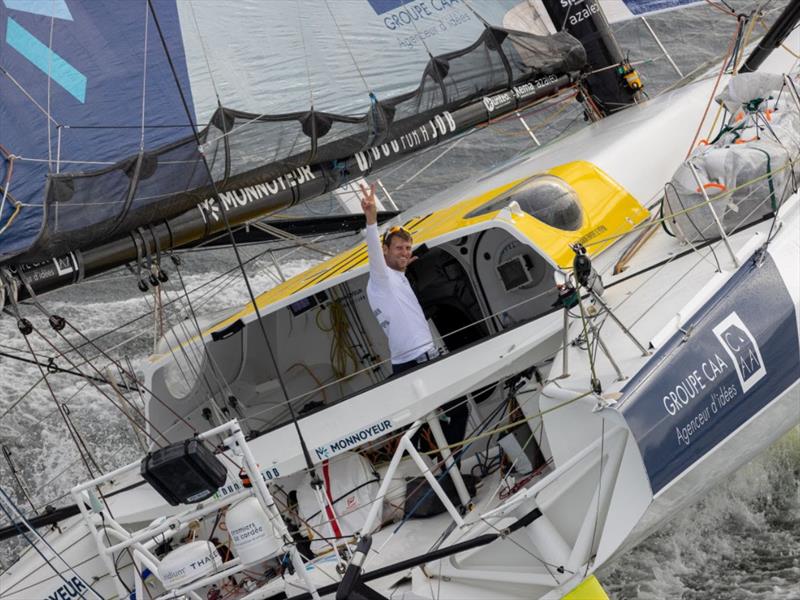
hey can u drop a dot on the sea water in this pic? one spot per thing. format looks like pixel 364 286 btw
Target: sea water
pixel 741 541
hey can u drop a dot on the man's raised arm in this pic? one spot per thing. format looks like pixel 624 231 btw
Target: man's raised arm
pixel 377 264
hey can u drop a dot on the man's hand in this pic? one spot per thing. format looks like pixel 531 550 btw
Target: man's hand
pixel 368 204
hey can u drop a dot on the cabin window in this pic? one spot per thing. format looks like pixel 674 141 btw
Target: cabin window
pixel 545 197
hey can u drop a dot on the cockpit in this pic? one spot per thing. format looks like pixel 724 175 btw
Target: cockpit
pixel 328 346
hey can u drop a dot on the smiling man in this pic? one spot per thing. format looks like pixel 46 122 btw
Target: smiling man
pixel 389 293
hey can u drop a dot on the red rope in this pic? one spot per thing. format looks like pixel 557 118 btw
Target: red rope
pixel 328 505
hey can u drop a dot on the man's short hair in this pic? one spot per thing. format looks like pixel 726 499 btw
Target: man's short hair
pixel 393 232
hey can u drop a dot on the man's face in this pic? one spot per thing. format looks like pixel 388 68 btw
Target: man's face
pixel 397 253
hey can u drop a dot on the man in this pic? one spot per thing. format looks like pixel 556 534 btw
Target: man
pixel 389 293
pixel 398 311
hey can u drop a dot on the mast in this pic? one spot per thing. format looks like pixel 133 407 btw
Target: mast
pixel 779 31
pixel 585 20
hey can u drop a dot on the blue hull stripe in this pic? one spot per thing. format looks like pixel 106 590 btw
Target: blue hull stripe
pixel 47 61
pixel 741 353
pixel 48 8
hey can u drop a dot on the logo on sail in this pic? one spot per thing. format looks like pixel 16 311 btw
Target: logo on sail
pixel 743 349
pixel 40 54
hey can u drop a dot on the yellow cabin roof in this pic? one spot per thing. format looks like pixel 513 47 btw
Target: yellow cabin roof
pixel 608 210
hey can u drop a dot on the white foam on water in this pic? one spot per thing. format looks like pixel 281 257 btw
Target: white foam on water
pixel 741 541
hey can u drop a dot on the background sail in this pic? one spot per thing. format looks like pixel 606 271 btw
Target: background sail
pixel 283 55
pixel 624 10
pixel 246 63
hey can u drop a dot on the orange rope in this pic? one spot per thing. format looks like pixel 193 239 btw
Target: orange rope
pixel 716 85
pixel 718 186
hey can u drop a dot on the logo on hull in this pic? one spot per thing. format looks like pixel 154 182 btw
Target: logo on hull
pixel 743 349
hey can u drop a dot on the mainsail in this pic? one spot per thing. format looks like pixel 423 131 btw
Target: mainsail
pixel 100 137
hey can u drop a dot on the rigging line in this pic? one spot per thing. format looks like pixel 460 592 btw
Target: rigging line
pixel 19 86
pixel 216 374
pixel 53 368
pixel 21 398
pixel 21 517
pixel 545 564
pixel 346 45
pixel 234 246
pixel 783 45
pixel 101 163
pixel 480 18
pixel 221 276
pixel 135 408
pixel 190 362
pixel 431 163
pixel 663 266
pixel 144 75
pixel 659 265
pixel 729 11
pixel 7 185
pixel 205 54
pixel 772 228
pixel 64 412
pixel 123 370
pixel 305 54
pixel 66 402
pixel 542 105
pixel 124 342
pixel 716 85
pixel 689 218
pixel 289 237
pixel 422 39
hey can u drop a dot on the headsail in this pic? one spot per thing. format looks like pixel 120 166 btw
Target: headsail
pixel 251 152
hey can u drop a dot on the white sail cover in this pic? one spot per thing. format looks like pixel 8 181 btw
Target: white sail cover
pixel 747 171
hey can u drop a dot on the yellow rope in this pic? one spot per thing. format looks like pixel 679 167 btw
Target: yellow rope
pixel 341 353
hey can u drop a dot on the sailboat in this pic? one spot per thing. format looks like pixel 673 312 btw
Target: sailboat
pixel 582 479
